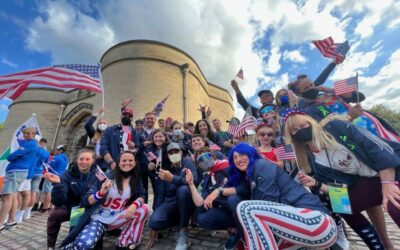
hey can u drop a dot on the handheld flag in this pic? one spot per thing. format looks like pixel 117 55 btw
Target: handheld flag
pixel 346 86
pixel 330 49
pixel 100 174
pixel 240 74
pixel 233 126
pixel 248 122
pixel 69 76
pixel 285 152
pixel 159 106
pixel 151 156
pixel 213 146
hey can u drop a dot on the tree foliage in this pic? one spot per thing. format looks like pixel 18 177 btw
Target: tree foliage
pixel 391 116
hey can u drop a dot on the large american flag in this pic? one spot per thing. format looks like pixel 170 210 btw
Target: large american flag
pixel 285 152
pixel 346 86
pixel 330 49
pixel 248 122
pixel 69 76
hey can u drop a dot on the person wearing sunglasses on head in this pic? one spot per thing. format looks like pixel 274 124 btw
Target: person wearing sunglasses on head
pixel 215 211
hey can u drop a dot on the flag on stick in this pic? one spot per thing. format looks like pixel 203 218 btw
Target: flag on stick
pixel 285 152
pixel 240 74
pixel 69 76
pixel 248 122
pixel 330 49
pixel 159 106
pixel 213 147
pixel 100 174
pixel 346 86
pixel 233 126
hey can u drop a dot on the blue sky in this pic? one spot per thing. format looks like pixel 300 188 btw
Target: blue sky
pixel 269 39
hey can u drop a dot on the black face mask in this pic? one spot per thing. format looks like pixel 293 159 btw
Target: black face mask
pixel 126 174
pixel 126 121
pixel 311 93
pixel 303 134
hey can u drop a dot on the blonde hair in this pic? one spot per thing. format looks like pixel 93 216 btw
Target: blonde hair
pixel 293 99
pixel 320 139
pixel 30 129
pixel 97 134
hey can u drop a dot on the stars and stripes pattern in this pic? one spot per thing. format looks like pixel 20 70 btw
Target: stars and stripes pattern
pixel 248 122
pixel 330 49
pixel 233 126
pixel 240 74
pixel 69 76
pixel 213 146
pixel 285 152
pixel 262 221
pixel 346 86
pixel 160 106
pixel 100 174
pixel 131 234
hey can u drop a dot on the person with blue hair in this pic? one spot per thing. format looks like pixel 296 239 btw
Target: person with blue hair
pixel 279 208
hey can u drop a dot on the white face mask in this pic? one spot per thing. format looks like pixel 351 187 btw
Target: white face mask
pixel 175 158
pixel 102 127
pixel 177 132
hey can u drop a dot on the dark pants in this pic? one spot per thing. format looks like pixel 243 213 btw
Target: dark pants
pixel 145 174
pixel 220 218
pixel 174 211
pixel 57 216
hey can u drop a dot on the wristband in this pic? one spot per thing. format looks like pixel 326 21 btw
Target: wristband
pixel 100 195
pixel 137 203
pixel 389 182
pixel 95 197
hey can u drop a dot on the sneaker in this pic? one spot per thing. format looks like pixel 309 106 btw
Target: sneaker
pixel 27 215
pixel 19 216
pixel 232 242
pixel 183 241
pixel 341 240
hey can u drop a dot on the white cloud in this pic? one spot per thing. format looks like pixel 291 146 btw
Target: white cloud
pixel 7 62
pixel 294 56
pixel 219 35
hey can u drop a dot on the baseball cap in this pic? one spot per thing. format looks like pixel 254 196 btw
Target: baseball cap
pixel 128 111
pixel 265 91
pixel 60 147
pixel 173 146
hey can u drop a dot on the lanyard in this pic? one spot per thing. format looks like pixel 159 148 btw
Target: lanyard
pixel 330 166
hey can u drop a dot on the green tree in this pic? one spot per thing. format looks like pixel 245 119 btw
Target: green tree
pixel 391 116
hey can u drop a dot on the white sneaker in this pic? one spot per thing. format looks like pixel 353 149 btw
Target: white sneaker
pixel 341 238
pixel 27 215
pixel 19 216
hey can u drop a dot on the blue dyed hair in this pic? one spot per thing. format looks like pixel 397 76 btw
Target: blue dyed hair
pixel 234 173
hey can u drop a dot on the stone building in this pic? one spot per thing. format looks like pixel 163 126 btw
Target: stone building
pixel 143 70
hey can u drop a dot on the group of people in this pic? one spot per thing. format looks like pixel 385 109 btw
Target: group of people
pixel 201 175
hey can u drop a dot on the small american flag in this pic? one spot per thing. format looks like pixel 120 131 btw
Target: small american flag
pixel 248 122
pixel 346 86
pixel 100 174
pixel 240 74
pixel 233 126
pixel 70 76
pixel 285 152
pixel 213 146
pixel 151 156
pixel 330 49
pixel 159 106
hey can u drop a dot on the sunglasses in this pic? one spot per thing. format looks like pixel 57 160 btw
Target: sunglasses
pixel 266 134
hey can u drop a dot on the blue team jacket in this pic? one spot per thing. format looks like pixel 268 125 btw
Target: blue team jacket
pixel 23 158
pixel 59 164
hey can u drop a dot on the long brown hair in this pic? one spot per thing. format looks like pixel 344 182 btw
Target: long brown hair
pixel 134 180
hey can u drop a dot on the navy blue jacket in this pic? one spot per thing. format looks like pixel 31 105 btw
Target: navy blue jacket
pixel 90 209
pixel 73 186
pixel 141 137
pixel 271 183
pixel 111 141
pixel 376 153
pixel 23 158
pixel 90 130
pixel 168 189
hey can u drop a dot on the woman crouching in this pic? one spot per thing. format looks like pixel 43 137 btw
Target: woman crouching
pixel 279 208
pixel 115 202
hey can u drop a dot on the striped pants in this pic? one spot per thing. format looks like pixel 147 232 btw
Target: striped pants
pixel 293 228
pixel 131 233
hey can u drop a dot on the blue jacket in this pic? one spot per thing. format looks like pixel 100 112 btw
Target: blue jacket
pixel 90 130
pixel 111 141
pixel 23 158
pixel 141 137
pixel 90 209
pixel 58 164
pixel 271 183
pixel 42 156
pixel 374 152
pixel 73 186
pixel 168 189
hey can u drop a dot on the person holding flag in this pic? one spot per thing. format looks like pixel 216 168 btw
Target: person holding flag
pixel 114 202
pixel 341 155
pixel 57 166
pixel 20 162
pixel 203 128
